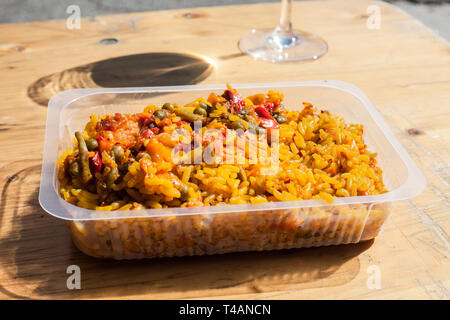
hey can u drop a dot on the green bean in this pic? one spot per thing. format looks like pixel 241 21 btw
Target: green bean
pixel 112 176
pixel 85 175
pixel 74 169
pixel 203 105
pixel 91 144
pixel 187 115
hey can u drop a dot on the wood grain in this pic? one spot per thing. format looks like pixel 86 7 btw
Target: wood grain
pixel 404 68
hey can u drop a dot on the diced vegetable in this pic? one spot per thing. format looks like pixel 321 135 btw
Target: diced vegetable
pixel 95 163
pixel 266 119
pixel 85 175
pixel 74 169
pixel 118 153
pixel 92 144
pixel 235 99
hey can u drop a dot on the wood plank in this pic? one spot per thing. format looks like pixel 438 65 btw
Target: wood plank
pixel 404 68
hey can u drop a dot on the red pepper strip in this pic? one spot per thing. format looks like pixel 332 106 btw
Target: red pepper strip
pixel 147 133
pixel 268 123
pixel 155 130
pixel 270 106
pixel 95 163
pixel 262 112
pixel 181 122
pixel 103 144
pixel 100 139
pixel 145 119
pixel 266 119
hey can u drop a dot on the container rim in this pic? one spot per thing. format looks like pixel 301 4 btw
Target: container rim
pixel 52 203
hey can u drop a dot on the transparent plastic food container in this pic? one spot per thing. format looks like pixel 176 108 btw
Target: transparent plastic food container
pixel 229 228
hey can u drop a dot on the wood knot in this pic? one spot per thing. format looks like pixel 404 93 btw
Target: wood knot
pixel 108 41
pixel 19 48
pixel 12 178
pixel 414 131
pixel 190 15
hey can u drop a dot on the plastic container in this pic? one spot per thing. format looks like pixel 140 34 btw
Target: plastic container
pixel 221 229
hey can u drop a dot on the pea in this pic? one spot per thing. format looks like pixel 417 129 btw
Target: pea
pixel 91 144
pixel 74 169
pixel 118 153
pixel 142 155
pixel 201 111
pixel 281 119
pixel 203 106
pixel 255 129
pixel 168 106
pixel 243 112
pixel 237 125
pixel 160 114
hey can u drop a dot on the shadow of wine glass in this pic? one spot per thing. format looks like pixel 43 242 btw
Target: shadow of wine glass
pixel 138 70
pixel 36 250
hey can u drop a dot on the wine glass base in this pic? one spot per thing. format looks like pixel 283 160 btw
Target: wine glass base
pixel 269 45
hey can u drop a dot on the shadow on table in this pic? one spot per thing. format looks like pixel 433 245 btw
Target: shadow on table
pixel 138 70
pixel 37 250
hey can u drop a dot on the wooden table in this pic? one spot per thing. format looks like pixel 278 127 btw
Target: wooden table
pixel 403 67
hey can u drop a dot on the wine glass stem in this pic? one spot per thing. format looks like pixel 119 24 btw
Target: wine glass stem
pixel 285 24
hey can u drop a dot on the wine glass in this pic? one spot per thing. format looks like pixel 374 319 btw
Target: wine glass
pixel 283 44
